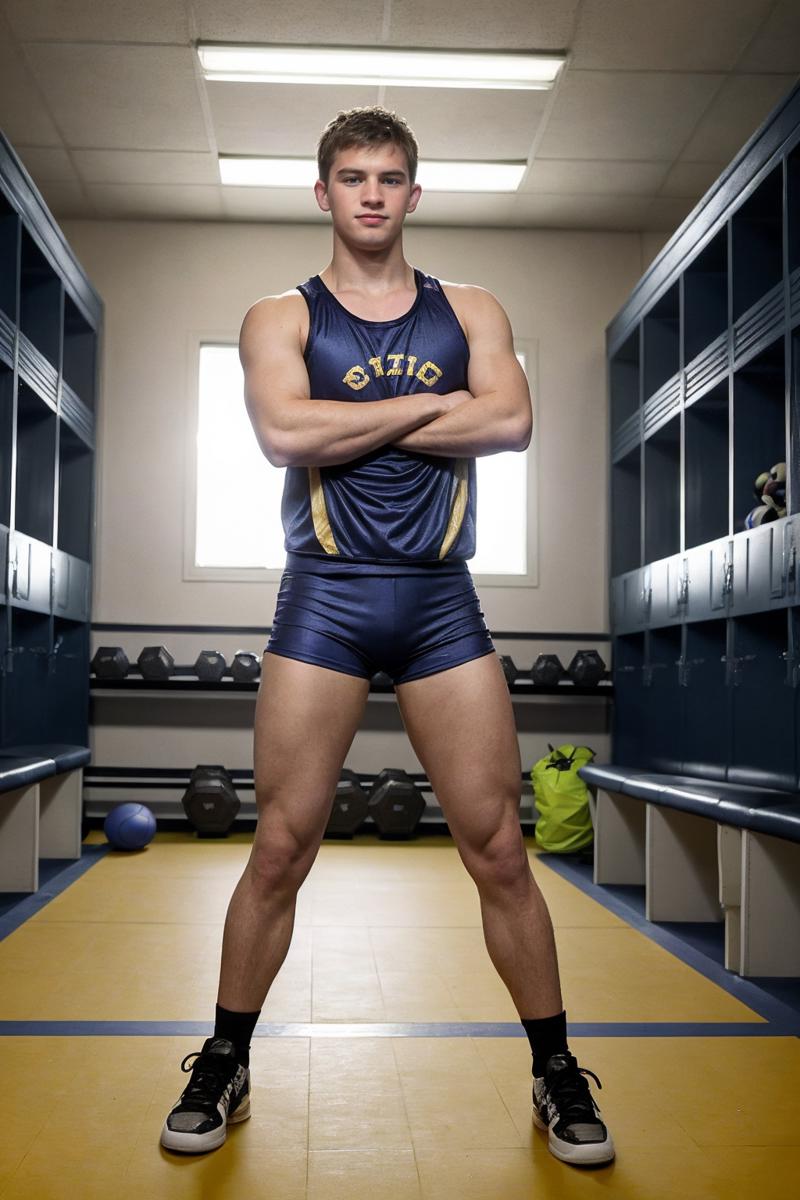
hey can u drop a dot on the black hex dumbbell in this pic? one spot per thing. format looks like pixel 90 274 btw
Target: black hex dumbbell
pixel 110 662
pixel 156 662
pixel 587 668
pixel 395 804
pixel 547 670
pixel 210 801
pixel 350 805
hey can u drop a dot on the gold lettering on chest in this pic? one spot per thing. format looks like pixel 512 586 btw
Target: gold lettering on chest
pixel 393 364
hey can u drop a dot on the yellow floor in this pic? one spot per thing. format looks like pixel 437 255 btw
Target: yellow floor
pixel 385 933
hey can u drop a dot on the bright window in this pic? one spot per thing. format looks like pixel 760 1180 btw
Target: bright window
pixel 238 496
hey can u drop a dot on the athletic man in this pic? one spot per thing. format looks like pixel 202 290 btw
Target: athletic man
pixel 376 386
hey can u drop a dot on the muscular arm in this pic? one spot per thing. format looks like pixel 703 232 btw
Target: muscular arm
pixel 292 428
pixel 496 413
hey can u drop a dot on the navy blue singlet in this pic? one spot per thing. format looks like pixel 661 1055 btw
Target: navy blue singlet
pixel 389 506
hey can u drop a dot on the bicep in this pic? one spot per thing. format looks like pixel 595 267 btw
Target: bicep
pixel 274 370
pixel 493 364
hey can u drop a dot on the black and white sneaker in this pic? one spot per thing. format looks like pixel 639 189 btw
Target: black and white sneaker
pixel 217 1095
pixel 563 1105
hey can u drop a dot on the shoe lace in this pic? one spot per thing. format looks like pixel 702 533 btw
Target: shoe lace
pixel 571 1090
pixel 210 1073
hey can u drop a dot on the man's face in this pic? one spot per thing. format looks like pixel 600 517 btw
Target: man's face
pixel 368 194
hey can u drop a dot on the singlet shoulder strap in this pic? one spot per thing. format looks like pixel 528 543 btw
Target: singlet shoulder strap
pixel 312 289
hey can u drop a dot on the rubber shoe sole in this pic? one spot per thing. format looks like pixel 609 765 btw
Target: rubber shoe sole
pixel 201 1143
pixel 589 1154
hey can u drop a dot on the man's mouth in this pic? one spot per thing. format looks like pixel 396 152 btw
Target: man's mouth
pixel 370 218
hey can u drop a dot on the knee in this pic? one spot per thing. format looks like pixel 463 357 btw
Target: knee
pixel 501 863
pixel 279 862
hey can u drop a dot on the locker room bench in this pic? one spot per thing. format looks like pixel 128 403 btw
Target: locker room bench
pixel 705 850
pixel 41 794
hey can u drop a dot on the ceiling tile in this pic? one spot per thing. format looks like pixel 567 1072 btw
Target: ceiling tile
pixel 24 118
pixel 65 198
pixel 88 21
pixel 264 118
pixel 272 204
pixel 483 24
pixel 690 179
pixel 131 97
pixel 312 22
pixel 741 105
pixel 145 166
pixel 594 178
pixel 776 47
pixel 471 124
pixel 47 164
pixel 155 201
pixel 667 214
pixel 581 212
pixel 681 35
pixel 628 115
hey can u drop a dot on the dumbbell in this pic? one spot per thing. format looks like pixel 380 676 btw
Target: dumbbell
pixel 587 668
pixel 210 666
pixel 156 662
pixel 110 662
pixel 381 681
pixel 547 670
pixel 349 806
pixel 210 801
pixel 395 804
pixel 245 666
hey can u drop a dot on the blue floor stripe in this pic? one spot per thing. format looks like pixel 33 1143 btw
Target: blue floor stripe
pixel 427 1029
pixel 761 1002
pixel 54 878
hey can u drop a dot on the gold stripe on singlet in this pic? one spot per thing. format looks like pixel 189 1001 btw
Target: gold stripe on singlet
pixel 319 513
pixel 458 506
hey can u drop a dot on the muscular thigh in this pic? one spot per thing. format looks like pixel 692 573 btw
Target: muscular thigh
pixel 461 725
pixel 306 717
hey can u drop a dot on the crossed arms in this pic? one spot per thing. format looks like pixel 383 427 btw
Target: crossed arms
pixel 295 430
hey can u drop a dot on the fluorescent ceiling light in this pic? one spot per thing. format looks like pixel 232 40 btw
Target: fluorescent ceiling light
pixel 376 65
pixel 268 172
pixel 433 176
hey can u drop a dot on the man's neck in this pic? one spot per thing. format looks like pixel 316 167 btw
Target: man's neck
pixel 375 274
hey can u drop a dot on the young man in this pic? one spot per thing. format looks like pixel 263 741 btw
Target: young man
pixel 376 386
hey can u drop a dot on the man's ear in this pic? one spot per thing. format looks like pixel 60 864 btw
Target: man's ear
pixel 413 199
pixel 321 193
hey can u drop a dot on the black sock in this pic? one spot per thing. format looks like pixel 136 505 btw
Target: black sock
pixel 547 1036
pixel 237 1027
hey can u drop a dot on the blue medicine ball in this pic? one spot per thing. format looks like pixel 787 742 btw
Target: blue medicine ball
pixel 130 826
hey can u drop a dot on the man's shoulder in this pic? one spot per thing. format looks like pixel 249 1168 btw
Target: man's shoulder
pixel 469 300
pixel 283 308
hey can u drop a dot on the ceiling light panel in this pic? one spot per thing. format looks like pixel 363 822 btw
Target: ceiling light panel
pixel 433 176
pixel 376 66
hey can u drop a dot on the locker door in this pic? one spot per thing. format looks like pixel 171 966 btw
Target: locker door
pixel 706 703
pixel 763 695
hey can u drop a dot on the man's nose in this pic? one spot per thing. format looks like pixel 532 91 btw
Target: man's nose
pixel 371 193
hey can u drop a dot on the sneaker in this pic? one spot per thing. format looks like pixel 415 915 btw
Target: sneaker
pixel 217 1095
pixel 563 1105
